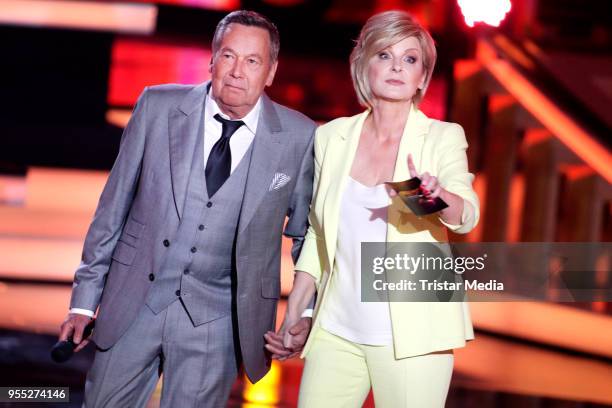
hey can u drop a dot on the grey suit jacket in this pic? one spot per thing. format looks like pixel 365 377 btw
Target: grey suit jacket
pixel 142 203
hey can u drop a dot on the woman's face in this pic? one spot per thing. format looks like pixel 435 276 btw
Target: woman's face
pixel 395 73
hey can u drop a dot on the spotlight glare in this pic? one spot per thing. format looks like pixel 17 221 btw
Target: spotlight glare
pixel 490 12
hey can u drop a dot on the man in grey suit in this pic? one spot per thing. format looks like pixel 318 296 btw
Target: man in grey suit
pixel 182 259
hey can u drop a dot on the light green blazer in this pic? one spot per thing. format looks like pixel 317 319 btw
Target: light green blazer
pixel 437 147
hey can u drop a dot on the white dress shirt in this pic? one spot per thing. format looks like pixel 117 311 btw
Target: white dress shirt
pixel 240 140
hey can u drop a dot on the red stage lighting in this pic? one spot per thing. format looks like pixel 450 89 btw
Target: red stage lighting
pixel 490 12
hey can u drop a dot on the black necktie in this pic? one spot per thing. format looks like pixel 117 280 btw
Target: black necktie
pixel 219 164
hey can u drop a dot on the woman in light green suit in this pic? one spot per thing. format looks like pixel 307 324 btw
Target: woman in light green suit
pixel 403 350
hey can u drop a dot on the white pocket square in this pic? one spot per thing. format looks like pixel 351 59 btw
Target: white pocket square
pixel 278 181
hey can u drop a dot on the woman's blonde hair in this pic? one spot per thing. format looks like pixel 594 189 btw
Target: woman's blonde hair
pixel 379 32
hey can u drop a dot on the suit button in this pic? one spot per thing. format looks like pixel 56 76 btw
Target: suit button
pixel 177 293
pixel 194 250
pixel 186 271
pixel 151 277
pixel 201 227
pixel 209 204
pixel 166 243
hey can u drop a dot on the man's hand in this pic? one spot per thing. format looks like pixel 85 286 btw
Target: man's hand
pixel 287 344
pixel 73 326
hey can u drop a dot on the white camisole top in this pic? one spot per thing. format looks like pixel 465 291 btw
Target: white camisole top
pixel 363 218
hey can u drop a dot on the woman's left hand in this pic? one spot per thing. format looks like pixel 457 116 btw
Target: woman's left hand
pixel 430 187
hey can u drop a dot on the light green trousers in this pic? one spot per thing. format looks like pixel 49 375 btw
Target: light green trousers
pixel 339 373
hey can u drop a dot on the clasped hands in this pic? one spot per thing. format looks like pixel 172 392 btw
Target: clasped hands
pixel 289 341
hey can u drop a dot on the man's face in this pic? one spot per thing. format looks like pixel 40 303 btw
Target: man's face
pixel 241 69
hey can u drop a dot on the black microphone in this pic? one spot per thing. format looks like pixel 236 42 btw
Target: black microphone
pixel 62 351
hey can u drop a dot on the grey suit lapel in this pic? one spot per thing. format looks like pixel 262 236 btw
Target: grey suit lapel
pixel 185 126
pixel 267 150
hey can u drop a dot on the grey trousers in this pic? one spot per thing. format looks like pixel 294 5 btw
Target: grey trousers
pixel 199 364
